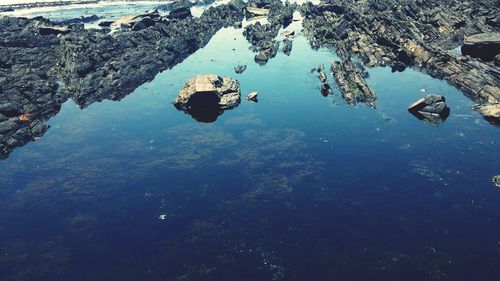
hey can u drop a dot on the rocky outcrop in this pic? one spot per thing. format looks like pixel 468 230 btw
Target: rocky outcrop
pixel 417 34
pixel 485 46
pixel 262 36
pixel 350 78
pixel 431 109
pixel 205 97
pixel 40 72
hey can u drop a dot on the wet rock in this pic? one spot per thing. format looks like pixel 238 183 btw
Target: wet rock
pixel 490 112
pixel 252 97
pixel 205 97
pixel 431 108
pixel 416 34
pixel 106 23
pixel 484 45
pixel 180 13
pixel 287 46
pixel 496 180
pixel 240 68
pixel 38 72
pixel 326 90
pixel 351 81
pixel 53 30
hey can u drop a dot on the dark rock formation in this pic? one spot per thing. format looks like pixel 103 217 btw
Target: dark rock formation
pixel 402 34
pixel 262 36
pixel 180 13
pixel 205 97
pixel 351 81
pixel 287 46
pixel 240 68
pixel 485 46
pixel 40 72
pixel 431 109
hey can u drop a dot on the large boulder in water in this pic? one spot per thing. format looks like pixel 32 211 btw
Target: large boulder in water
pixel 205 97
pixel 483 45
pixel 431 109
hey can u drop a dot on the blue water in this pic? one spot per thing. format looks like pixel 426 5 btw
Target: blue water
pixel 294 187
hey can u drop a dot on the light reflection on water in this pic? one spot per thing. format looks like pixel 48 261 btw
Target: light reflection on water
pixel 295 187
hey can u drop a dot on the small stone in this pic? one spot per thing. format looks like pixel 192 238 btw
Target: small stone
pixel 496 180
pixel 240 68
pixel 252 97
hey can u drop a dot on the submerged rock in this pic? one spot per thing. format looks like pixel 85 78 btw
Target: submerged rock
pixel 431 109
pixel 287 46
pixel 483 45
pixel 240 68
pixel 205 97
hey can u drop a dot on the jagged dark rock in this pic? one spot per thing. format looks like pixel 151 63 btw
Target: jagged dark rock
pixel 287 46
pixel 432 109
pixel 400 34
pixel 40 72
pixel 180 13
pixel 240 69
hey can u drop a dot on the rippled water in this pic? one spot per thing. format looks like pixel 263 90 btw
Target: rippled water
pixel 294 187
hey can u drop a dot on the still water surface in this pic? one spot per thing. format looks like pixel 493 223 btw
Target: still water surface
pixel 294 187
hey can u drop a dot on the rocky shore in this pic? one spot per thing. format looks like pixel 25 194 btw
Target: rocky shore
pixel 43 63
pixel 419 34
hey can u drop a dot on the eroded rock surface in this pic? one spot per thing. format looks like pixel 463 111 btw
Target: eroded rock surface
pixel 432 109
pixel 205 97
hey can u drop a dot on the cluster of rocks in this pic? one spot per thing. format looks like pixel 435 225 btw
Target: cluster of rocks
pixel 420 34
pixel 262 36
pixel 43 64
pixel 350 77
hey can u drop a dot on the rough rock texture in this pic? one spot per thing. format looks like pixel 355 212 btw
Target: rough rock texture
pixel 431 108
pixel 205 97
pixel 240 69
pixel 262 36
pixel 485 46
pixel 40 72
pixel 496 180
pixel 403 33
